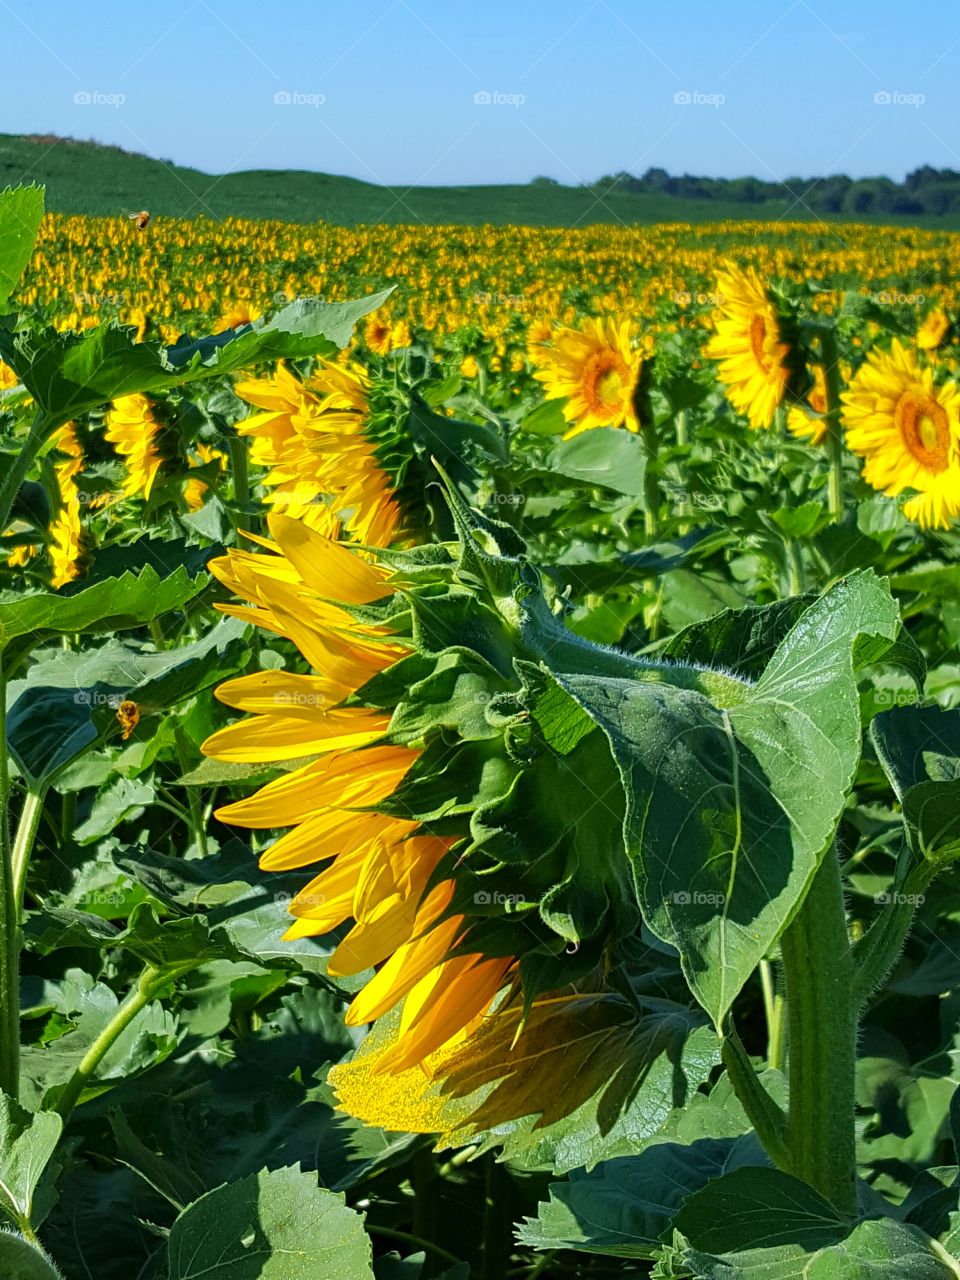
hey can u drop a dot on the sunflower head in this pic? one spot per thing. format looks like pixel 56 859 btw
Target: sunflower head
pixel 906 427
pixel 460 809
pixel 748 344
pixel 934 330
pixel 595 370
pixel 134 429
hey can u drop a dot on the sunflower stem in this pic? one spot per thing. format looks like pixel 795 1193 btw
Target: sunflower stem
pixel 23 843
pixel 823 1014
pixel 774 1007
pixel 830 361
pixel 9 925
pixel 40 429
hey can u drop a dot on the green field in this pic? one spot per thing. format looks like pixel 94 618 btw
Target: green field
pixel 91 179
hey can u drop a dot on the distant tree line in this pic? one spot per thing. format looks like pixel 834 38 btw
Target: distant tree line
pixel 925 190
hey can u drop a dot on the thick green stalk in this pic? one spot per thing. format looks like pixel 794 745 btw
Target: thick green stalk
pixel 651 484
pixel 830 354
pixel 40 430
pixel 9 926
pixel 822 1017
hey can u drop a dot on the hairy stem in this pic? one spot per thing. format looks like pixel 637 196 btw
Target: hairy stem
pixel 766 1115
pixel 822 1019
pixel 830 354
pixel 27 827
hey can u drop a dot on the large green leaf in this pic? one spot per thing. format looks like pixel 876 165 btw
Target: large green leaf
pixel 919 748
pixel 26 1144
pixel 610 458
pixel 731 809
pixel 71 373
pixel 21 209
pixel 115 604
pixel 623 1207
pixel 767 1225
pixel 20 1260
pixel 68 702
pixel 276 1225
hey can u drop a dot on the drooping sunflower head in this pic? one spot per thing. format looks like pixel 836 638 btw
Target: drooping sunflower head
pixel 749 345
pixel 463 815
pixel 906 427
pixel 134 430
pixel 595 370
pixel 935 328
pixel 237 315
pixel 66 529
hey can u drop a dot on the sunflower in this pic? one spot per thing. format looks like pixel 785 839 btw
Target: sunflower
pixel 749 346
pixel 236 316
pixel 907 429
pixel 381 863
pixel 595 371
pixel 134 431
pixel 322 466
pixel 378 335
pixel 401 335
pixel 934 329
pixel 8 379
pixel 195 490
pixel 65 529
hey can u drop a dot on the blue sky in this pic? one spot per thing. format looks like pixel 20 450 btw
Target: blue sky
pixel 387 90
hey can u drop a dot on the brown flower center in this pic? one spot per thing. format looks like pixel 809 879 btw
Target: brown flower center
pixel 604 381
pixel 758 336
pixel 924 429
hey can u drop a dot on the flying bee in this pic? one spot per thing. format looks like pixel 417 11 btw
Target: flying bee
pixel 141 219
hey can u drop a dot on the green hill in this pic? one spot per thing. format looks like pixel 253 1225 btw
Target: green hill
pixel 86 177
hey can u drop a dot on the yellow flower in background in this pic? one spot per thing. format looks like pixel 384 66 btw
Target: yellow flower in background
pixel 400 335
pixel 469 367
pixel 322 467
pixel 907 430
pixel 236 316
pixel 8 379
pixel 134 431
pixel 595 370
pixel 934 329
pixel 748 345
pixel 378 865
pixel 808 422
pixel 195 490
pixel 378 335
pixel 65 530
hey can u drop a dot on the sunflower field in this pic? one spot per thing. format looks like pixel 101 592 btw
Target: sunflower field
pixel 480 752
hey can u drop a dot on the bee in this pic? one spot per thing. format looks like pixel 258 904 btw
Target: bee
pixel 141 219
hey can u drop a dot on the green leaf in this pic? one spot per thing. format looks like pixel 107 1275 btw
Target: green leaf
pixel 731 809
pixel 547 419
pixel 613 459
pixel 919 748
pixel 276 1225
pixel 71 373
pixel 20 1260
pixel 114 605
pixel 21 209
pixel 767 1225
pixel 26 1144
pixel 622 1207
